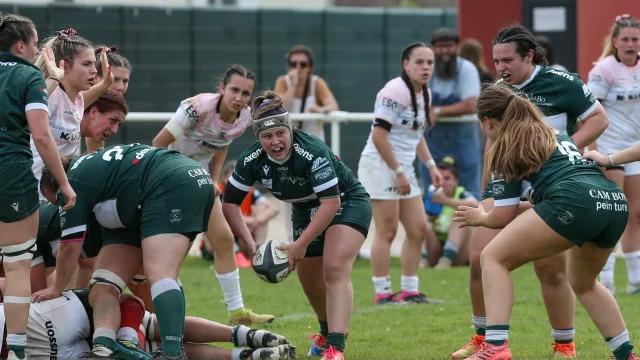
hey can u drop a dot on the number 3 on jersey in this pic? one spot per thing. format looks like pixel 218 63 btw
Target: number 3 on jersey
pixel 568 148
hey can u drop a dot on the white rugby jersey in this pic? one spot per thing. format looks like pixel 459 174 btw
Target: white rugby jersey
pixel 64 124
pixel 393 104
pixel 618 85
pixel 56 328
pixel 199 130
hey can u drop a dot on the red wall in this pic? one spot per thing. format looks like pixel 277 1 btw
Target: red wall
pixel 482 19
pixel 595 18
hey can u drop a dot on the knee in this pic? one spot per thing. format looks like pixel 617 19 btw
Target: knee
pixel 334 273
pixel 581 285
pixel 105 283
pixel 551 274
pixel 222 241
pixel 417 231
pixel 387 232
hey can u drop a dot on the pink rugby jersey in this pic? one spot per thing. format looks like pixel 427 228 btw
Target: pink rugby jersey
pixel 393 104
pixel 64 124
pixel 200 132
pixel 618 87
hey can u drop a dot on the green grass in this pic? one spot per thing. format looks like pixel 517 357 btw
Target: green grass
pixel 405 332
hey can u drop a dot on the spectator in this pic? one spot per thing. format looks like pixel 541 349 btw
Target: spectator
pixel 545 42
pixel 257 211
pixel 448 245
pixel 455 87
pixel 471 50
pixel 303 92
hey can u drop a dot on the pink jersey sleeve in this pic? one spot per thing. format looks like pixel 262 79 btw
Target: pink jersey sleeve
pixel 392 100
pixel 600 77
pixel 55 100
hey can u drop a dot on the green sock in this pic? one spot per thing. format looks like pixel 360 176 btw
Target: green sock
pixel 336 340
pixel 168 302
pixel 324 328
pixel 184 301
pixel 481 331
pixel 450 250
pixel 623 351
pixel 497 334
pixel 16 343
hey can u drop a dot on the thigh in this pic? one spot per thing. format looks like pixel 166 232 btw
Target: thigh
pixel 377 179
pixel 181 203
pixel 163 254
pixel 309 272
pixel 586 262
pixel 510 248
pixel 300 220
pixel 19 189
pixel 386 214
pixel 412 215
pixel 632 192
pixel 218 227
pixel 343 242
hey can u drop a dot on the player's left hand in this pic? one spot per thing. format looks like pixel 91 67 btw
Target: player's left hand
pixel 601 159
pixel 46 294
pixel 468 216
pixel 296 253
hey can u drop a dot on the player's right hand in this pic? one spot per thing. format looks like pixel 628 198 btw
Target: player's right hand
pixel 402 184
pixel 601 159
pixel 69 196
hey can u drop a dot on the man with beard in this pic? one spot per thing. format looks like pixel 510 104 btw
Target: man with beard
pixel 455 87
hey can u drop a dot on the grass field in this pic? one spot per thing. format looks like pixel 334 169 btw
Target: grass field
pixel 405 332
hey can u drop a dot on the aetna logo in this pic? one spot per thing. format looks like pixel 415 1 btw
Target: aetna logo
pixel 53 344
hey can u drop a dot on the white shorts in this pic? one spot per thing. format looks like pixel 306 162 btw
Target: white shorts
pixel 609 146
pixel 380 182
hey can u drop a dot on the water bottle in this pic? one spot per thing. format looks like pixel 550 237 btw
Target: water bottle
pixel 432 209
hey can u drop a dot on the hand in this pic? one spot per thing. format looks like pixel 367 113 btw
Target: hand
pixel 296 253
pixel 248 247
pixel 469 216
pixel 439 197
pixel 216 188
pixel 294 77
pixel 107 75
pixel 403 186
pixel 601 159
pixel 317 109
pixel 69 196
pixel 436 177
pixel 56 72
pixel 46 294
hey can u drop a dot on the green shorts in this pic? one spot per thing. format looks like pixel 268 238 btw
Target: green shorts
pixel 19 188
pixel 354 212
pixel 586 209
pixel 178 198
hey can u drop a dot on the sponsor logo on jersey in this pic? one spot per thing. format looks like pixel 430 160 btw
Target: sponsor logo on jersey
pixel 175 217
pixel 70 137
pixel 304 153
pixel 252 156
pixel 209 145
pixel 392 104
pixel 53 343
pixel 566 217
pixel 266 169
pixel 223 134
pixel 192 114
pixel 325 173
pixel 283 168
pixel 80 160
pixel 561 73
pixel 497 189
pixel 8 63
pixel 268 183
pixel 140 154
pixel 319 163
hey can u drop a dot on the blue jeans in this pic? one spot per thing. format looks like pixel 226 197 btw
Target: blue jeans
pixel 461 142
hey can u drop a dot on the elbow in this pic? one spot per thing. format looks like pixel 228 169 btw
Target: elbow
pixel 41 140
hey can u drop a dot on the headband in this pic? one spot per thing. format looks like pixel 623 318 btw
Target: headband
pixel 271 122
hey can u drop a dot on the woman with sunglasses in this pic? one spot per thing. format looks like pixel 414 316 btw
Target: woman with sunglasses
pixel 303 92
pixel 386 170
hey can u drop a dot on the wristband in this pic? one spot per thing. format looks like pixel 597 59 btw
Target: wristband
pixel 398 171
pixel 54 79
pixel 431 163
pixel 611 162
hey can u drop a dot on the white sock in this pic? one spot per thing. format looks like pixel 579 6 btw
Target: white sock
pixel 633 266
pixel 241 335
pixel 382 285
pixel 563 335
pixel 479 322
pixel 235 354
pixel 230 284
pixel 409 283
pixel 618 340
pixel 17 339
pixel 606 275
pixel 126 333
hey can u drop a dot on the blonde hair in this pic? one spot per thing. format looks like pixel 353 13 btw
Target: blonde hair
pixel 471 49
pixel 524 142
pixel 66 45
pixel 622 21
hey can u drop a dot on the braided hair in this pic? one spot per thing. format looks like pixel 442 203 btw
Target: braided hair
pixel 14 28
pixel 66 45
pixel 406 55
pixel 524 41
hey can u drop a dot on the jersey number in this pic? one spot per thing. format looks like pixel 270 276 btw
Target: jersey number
pixel 116 150
pixel 569 149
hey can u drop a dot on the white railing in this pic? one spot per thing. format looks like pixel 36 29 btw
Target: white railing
pixel 336 118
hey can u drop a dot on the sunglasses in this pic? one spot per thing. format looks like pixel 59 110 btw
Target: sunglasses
pixel 303 64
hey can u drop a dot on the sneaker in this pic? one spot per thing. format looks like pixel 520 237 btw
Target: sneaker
pixel 12 356
pixel 160 355
pixel 318 346
pixel 470 348
pixel 633 289
pixel 130 350
pixel 417 298
pixel 384 299
pixel 242 261
pixel 257 339
pixel 332 354
pixel 488 351
pixel 247 317
pixel 564 351
pixel 280 352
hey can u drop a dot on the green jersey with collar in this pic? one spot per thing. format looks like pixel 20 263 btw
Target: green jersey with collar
pixel 560 95
pixel 310 173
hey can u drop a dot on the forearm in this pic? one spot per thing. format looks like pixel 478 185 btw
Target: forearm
pixel 386 152
pixel 288 97
pixel 235 220
pixel 216 163
pixel 423 153
pixel 627 155
pixel 463 107
pixel 454 203
pixel 66 261
pixel 321 220
pixel 492 220
pixel 94 93
pixel 591 129
pixel 51 86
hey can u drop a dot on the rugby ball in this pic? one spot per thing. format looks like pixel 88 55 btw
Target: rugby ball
pixel 271 264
